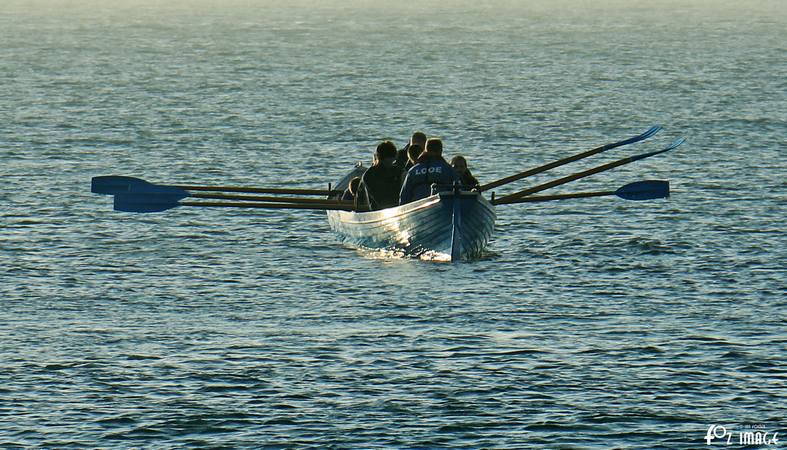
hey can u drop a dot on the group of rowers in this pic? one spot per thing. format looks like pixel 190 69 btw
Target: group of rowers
pixel 401 176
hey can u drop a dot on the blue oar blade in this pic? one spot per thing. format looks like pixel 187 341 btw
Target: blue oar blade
pixel 644 190
pixel 675 144
pixel 653 130
pixel 145 203
pixel 114 184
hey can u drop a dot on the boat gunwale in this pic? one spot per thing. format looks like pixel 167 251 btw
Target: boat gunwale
pixel 385 215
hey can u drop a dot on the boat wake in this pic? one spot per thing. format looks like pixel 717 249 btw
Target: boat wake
pixel 399 254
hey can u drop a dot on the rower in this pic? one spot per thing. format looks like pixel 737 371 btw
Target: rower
pixel 413 152
pixel 431 169
pixel 380 183
pixel 352 189
pixel 403 160
pixel 459 163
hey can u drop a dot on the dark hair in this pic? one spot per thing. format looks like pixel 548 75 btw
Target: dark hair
pixel 418 137
pixel 386 149
pixel 458 158
pixel 353 187
pixel 414 151
pixel 434 145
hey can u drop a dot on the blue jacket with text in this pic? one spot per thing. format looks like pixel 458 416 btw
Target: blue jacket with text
pixel 430 169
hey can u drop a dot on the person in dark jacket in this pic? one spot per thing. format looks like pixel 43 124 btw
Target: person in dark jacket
pixel 380 184
pixel 431 168
pixel 402 158
pixel 459 163
pixel 413 153
pixel 352 189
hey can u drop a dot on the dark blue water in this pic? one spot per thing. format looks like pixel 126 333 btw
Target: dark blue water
pixel 595 323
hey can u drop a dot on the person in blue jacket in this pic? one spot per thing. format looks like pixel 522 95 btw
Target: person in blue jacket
pixel 431 168
pixel 403 161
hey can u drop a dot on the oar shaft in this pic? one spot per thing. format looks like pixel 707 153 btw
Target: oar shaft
pixel 115 184
pixel 564 180
pixel 262 198
pixel 335 206
pixel 252 190
pixel 586 173
pixel 570 159
pixel 547 198
pixel 541 169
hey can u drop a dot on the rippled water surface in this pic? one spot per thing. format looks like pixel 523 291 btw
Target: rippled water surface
pixel 594 323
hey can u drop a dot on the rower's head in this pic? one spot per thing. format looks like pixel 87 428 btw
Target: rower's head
pixel 353 187
pixel 413 152
pixel 459 163
pixel 418 138
pixel 385 153
pixel 434 146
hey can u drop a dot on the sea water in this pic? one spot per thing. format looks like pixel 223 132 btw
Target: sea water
pixel 593 323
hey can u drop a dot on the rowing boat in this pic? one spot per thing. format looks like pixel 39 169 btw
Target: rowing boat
pixel 450 225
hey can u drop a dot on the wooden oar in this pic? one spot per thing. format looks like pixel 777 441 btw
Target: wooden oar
pixel 113 184
pixel 640 190
pixel 260 198
pixel 148 202
pixel 653 130
pixel 136 195
pixel 255 190
pixel 324 207
pixel 586 173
